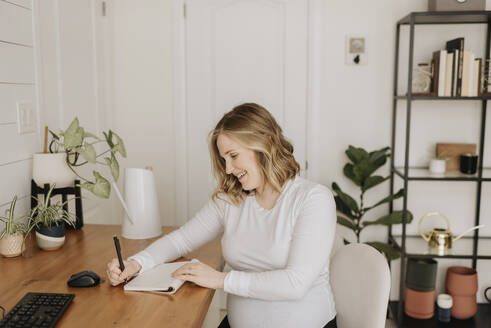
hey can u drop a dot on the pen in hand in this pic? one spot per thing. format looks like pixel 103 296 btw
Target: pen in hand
pixel 118 252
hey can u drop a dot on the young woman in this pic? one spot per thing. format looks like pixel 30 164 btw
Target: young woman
pixel 278 230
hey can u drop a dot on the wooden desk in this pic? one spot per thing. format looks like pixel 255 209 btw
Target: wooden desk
pixel 104 306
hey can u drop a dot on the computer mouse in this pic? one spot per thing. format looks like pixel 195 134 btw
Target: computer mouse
pixel 84 279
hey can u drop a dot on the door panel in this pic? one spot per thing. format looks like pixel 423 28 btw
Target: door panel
pixel 242 51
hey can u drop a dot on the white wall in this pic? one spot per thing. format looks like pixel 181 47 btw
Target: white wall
pixel 17 83
pixel 356 109
pixel 141 73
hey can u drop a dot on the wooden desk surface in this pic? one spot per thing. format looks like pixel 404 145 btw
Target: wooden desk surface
pixel 103 306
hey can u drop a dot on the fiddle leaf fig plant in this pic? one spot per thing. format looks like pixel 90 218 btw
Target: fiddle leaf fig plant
pixel 79 146
pixel 360 170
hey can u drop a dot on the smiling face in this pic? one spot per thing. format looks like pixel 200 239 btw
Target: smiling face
pixel 240 162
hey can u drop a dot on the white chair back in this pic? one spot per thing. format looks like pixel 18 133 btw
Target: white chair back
pixel 360 281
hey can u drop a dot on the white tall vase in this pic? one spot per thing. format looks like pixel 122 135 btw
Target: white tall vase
pixel 142 203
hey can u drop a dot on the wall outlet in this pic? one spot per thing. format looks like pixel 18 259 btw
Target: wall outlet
pixel 26 117
pixel 355 50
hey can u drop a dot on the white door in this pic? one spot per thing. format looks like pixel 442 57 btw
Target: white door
pixel 239 51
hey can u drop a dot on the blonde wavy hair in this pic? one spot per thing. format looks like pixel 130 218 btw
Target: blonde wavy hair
pixel 255 128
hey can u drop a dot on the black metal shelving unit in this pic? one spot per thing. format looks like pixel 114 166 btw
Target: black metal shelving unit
pixel 410 246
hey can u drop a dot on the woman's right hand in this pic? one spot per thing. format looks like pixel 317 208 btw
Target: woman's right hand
pixel 114 274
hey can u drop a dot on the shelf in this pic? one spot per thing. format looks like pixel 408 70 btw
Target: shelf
pixel 401 97
pixel 447 17
pixel 480 320
pixel 417 247
pixel 423 174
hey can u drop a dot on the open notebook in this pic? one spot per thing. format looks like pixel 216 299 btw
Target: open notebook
pixel 158 279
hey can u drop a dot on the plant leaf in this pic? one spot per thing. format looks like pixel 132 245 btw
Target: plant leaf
pixel 119 147
pixel 345 198
pixel 88 152
pixel 109 138
pixel 345 241
pixel 90 135
pixel 389 251
pixel 390 219
pixel 102 188
pixel 364 169
pixel 73 136
pixel 349 173
pixel 343 208
pixel 347 223
pixel 387 199
pixel 379 157
pixel 113 164
pixel 53 135
pixel 372 181
pixel 87 185
pixel 356 154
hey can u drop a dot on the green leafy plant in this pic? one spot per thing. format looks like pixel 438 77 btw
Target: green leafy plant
pixel 49 213
pixel 351 214
pixel 13 224
pixel 80 149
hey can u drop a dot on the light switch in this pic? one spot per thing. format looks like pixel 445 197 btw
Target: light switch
pixel 355 50
pixel 26 117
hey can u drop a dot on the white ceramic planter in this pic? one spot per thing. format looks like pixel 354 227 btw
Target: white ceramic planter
pixel 48 243
pixel 438 166
pixel 11 245
pixel 52 168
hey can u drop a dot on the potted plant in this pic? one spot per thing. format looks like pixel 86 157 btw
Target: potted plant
pixel 12 237
pixel 73 148
pixel 351 214
pixel 48 219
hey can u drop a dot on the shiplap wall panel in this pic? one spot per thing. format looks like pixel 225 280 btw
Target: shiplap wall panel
pixel 16 180
pixel 9 95
pixel 17 146
pixel 22 207
pixel 17 64
pixel 17 82
pixel 15 24
pixel 23 3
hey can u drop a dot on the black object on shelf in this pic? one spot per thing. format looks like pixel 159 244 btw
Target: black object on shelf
pixel 412 19
pixel 64 192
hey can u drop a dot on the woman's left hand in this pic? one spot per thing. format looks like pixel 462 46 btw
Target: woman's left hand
pixel 201 274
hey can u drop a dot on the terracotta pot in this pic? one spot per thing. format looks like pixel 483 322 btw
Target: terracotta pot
pixel 419 305
pixel 421 274
pixel 461 281
pixel 11 245
pixel 464 307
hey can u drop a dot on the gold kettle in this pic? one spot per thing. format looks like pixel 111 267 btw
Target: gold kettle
pixel 441 238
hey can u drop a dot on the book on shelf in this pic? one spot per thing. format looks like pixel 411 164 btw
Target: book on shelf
pixel 477 90
pixel 467 72
pixel 457 47
pixel 440 65
pixel 449 74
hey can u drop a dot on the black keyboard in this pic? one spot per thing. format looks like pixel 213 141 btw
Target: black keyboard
pixel 37 310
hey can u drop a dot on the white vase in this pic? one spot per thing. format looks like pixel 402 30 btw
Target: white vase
pixel 12 245
pixel 143 205
pixel 437 166
pixel 52 168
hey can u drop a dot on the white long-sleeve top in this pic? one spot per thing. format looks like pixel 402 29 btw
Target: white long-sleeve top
pixel 279 257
